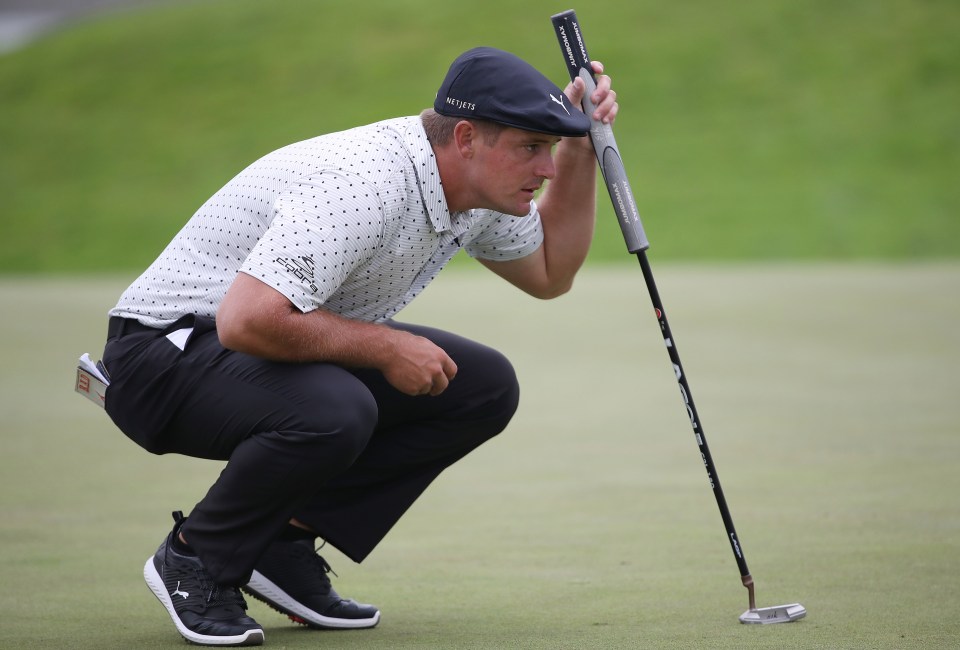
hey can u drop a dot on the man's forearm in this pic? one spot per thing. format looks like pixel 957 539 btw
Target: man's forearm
pixel 257 320
pixel 568 208
pixel 290 335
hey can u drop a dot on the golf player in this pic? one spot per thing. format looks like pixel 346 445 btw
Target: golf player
pixel 264 334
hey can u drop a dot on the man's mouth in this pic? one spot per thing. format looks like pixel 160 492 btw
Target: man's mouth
pixel 532 189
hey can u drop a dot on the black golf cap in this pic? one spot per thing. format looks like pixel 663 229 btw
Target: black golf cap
pixel 489 84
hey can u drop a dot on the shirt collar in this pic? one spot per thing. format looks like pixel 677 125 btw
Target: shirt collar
pixel 428 174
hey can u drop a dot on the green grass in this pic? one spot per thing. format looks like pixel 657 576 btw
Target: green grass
pixel 751 130
pixel 828 397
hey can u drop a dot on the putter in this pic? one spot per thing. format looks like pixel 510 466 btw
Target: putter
pixel 567 29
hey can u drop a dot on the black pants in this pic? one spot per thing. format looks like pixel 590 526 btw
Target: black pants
pixel 340 450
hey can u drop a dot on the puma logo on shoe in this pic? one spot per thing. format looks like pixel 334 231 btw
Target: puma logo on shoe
pixel 180 593
pixel 560 101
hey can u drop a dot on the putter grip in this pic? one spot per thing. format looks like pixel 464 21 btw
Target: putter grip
pixel 574 50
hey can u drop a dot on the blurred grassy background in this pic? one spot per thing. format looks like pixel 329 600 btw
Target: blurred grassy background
pixel 751 130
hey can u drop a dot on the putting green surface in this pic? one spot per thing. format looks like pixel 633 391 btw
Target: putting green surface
pixel 827 393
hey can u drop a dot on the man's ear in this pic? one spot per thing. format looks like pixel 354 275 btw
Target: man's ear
pixel 465 137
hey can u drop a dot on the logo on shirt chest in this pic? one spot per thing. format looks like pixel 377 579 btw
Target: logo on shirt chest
pixel 301 268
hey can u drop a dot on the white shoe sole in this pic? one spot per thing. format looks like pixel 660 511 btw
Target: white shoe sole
pixel 155 582
pixel 262 588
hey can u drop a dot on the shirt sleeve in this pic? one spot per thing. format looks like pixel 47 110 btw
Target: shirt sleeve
pixel 502 237
pixel 323 227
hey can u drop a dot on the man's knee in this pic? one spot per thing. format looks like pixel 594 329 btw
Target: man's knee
pixel 499 391
pixel 336 432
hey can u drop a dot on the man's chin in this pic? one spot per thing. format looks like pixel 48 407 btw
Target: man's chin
pixel 522 210
pixel 519 209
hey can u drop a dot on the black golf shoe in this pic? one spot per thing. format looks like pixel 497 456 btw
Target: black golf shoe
pixel 292 578
pixel 204 612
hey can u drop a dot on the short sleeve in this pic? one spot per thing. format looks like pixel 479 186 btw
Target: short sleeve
pixel 323 227
pixel 503 237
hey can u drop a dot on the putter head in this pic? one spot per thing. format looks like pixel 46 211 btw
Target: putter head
pixel 778 614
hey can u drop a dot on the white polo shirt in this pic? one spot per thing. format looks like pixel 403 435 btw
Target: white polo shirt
pixel 355 222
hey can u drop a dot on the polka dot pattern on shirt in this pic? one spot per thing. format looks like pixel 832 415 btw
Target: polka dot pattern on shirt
pixel 354 221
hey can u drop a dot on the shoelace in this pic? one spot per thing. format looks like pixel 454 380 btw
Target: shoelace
pixel 219 594
pixel 318 567
pixel 322 565
pixel 326 567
